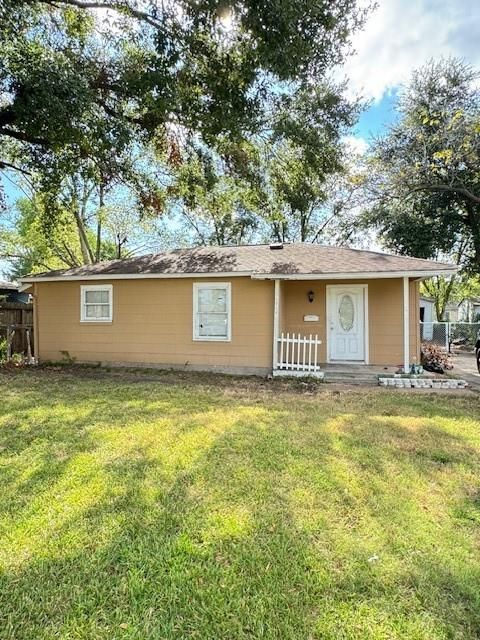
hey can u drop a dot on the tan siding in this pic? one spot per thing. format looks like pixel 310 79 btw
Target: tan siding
pixel 153 323
pixel 296 304
pixel 385 313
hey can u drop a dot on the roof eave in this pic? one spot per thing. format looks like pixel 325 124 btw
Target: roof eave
pixel 355 275
pixel 134 276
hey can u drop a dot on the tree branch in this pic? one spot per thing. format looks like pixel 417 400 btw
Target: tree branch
pixel 23 137
pixel 7 116
pixel 7 165
pixel 447 188
pixel 122 7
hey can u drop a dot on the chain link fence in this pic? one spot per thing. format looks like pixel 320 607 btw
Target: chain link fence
pixel 450 335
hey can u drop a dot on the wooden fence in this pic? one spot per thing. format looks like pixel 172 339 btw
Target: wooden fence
pixel 16 324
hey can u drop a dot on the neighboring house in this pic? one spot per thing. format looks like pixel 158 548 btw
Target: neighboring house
pixel 10 292
pixel 452 312
pixel 427 309
pixel 466 311
pixel 427 316
pixel 226 308
pixel 469 310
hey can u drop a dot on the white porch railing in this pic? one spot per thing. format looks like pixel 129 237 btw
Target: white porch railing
pixel 297 353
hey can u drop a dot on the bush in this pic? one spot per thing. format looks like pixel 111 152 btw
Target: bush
pixel 464 333
pixel 3 350
pixel 434 358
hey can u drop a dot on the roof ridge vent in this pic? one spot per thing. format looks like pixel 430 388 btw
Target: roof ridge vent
pixel 275 246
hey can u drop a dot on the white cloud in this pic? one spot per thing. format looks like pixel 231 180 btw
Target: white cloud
pixel 401 35
pixel 355 144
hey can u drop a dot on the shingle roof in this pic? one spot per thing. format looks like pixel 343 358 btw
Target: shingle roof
pixel 296 258
pixel 4 284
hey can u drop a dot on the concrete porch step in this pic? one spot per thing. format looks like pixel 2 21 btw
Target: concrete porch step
pixel 354 373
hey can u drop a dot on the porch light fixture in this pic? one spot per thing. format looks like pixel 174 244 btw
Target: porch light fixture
pixel 311 296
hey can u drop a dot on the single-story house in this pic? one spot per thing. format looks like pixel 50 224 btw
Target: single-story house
pixel 241 309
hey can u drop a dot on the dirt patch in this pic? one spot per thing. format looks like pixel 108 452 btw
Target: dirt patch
pixel 231 385
pixel 173 377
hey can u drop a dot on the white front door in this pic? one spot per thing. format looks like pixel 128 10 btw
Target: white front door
pixel 346 322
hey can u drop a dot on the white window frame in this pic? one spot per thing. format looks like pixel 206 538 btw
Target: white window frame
pixel 197 287
pixel 85 288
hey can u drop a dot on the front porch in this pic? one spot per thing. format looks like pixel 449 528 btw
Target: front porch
pixel 292 365
pixel 350 330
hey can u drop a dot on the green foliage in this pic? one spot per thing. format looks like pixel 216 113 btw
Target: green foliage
pixel 284 185
pixel 296 194
pixel 215 200
pixel 31 249
pixel 425 173
pixel 67 358
pixel 117 97
pixel 465 333
pixel 455 289
pixel 37 242
pixel 3 350
pixel 468 287
pixel 442 291
pixel 74 82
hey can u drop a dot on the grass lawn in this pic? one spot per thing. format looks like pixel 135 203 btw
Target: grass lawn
pixel 162 507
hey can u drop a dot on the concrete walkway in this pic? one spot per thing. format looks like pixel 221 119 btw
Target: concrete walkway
pixel 465 367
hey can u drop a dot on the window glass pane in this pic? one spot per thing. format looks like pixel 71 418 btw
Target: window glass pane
pixel 213 325
pixel 346 313
pixel 104 310
pixel 97 297
pixel 97 310
pixel 212 300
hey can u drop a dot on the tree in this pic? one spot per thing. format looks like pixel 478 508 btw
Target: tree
pixel 455 289
pixel 82 231
pixel 306 203
pixel 27 248
pixel 304 162
pixel 217 203
pixel 442 291
pixel 265 190
pixel 276 185
pixel 85 85
pixel 73 77
pixel 425 173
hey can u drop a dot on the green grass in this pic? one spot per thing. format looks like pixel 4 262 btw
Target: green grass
pixel 158 507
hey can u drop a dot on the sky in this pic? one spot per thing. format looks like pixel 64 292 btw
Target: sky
pixel 399 36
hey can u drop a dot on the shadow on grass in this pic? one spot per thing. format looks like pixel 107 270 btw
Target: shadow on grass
pixel 265 531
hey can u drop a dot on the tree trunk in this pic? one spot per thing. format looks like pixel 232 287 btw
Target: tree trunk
pixel 79 194
pixel 85 248
pixel 440 290
pixel 473 215
pixel 305 217
pixel 101 204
